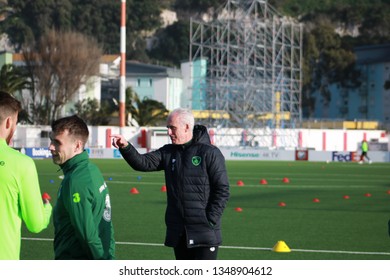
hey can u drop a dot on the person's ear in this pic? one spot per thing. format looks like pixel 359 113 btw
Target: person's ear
pixel 79 146
pixel 8 122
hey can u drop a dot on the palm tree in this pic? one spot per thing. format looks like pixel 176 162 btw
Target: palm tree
pixel 146 112
pixel 12 79
pixel 92 112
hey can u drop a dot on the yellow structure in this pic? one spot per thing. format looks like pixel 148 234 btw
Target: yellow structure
pixel 213 114
pixel 328 124
pixel 205 114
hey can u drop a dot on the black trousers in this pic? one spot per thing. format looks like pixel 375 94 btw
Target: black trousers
pixel 197 253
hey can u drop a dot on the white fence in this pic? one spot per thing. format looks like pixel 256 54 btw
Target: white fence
pixel 260 139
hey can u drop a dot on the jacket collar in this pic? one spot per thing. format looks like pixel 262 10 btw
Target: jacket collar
pixel 200 135
pixel 72 162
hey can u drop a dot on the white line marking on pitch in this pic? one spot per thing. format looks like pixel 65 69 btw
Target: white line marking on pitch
pixel 236 247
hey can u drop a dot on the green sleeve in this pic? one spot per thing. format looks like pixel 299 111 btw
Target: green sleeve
pixel 34 212
pixel 112 244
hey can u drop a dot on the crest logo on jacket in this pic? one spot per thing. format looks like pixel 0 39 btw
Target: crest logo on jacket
pixel 107 209
pixel 196 160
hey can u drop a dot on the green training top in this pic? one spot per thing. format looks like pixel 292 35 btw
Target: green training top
pixel 365 146
pixel 20 199
pixel 82 214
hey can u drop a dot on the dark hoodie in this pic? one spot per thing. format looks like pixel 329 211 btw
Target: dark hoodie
pixel 197 187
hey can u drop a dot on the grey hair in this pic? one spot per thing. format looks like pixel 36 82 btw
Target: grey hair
pixel 186 116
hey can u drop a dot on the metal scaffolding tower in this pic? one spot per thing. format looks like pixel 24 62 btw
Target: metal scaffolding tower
pixel 247 67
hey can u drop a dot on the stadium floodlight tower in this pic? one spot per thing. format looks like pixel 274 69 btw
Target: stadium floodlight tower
pixel 247 70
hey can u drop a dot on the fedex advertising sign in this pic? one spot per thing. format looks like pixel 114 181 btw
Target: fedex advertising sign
pixel 345 156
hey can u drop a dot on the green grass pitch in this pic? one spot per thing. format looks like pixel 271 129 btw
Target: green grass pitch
pixel 332 228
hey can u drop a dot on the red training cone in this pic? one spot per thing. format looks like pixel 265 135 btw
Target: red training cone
pixel 134 191
pixel 286 180
pixel 282 204
pixel 164 188
pixel 238 209
pixel 240 183
pixel 316 200
pixel 263 182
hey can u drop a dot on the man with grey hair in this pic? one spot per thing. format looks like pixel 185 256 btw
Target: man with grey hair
pixel 197 185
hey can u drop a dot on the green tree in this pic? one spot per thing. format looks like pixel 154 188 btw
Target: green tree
pixel 100 19
pixel 172 44
pixel 199 6
pixel 29 20
pixel 93 113
pixel 375 28
pixel 370 18
pixel 325 62
pixel 13 79
pixel 143 19
pixel 4 9
pixel 146 112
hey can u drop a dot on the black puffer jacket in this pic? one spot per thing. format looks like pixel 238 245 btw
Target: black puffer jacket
pixel 197 187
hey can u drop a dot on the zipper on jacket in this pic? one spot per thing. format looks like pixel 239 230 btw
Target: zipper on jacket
pixel 177 174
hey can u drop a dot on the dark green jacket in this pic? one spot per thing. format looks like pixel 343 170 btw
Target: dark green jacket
pixel 82 215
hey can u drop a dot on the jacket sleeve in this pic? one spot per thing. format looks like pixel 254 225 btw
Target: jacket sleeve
pixel 219 186
pixel 34 212
pixel 151 161
pixel 80 210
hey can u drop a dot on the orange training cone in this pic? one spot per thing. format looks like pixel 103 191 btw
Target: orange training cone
pixel 134 191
